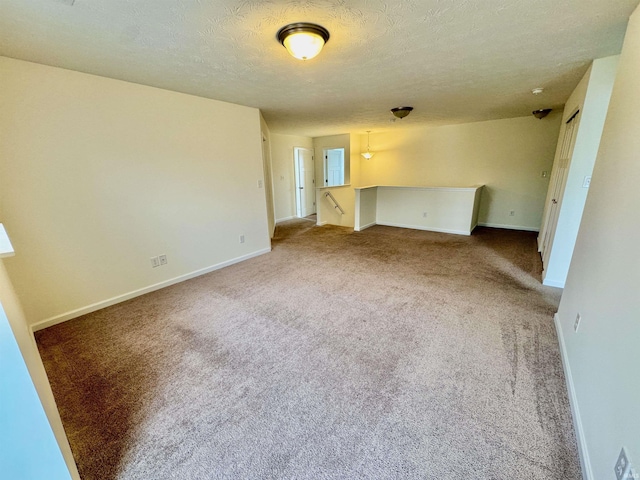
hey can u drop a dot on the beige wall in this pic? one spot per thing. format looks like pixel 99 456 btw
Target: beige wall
pixel 284 182
pixel 604 280
pixel 507 156
pixel 99 175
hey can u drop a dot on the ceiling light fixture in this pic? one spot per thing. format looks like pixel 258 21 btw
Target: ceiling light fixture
pixel 368 153
pixel 303 40
pixel 540 114
pixel 401 112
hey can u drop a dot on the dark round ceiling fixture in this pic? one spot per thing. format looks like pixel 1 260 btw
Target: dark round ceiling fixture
pixel 401 112
pixel 303 40
pixel 541 113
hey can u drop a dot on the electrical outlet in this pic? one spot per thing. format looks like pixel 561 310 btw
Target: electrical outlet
pixel 424 214
pixel 155 262
pixel 586 182
pixel 163 259
pixel 512 213
pixel 576 324
pixel 259 183
pixel 241 238
pixel 622 465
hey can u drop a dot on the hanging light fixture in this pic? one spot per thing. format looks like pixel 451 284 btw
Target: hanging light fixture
pixel 540 114
pixel 303 40
pixel 401 112
pixel 368 154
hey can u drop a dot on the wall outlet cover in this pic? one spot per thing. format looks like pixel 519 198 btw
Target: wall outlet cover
pixel 163 259
pixel 155 262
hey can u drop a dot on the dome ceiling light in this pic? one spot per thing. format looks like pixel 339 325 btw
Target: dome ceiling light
pixel 303 40
pixel 401 112
pixel 540 114
pixel 543 112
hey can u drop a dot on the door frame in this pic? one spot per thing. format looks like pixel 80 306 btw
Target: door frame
pixel 557 187
pixel 297 183
pixel 325 166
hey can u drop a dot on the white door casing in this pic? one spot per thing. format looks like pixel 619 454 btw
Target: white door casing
pixel 333 167
pixel 305 182
pixel 268 185
pixel 557 187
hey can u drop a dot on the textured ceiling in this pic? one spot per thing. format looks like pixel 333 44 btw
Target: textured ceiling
pixel 452 60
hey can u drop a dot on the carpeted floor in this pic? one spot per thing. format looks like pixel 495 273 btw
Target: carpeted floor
pixel 384 354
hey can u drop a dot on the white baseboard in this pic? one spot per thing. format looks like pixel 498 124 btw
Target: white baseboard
pixel 585 463
pixel 141 291
pixel 553 283
pixel 363 227
pixel 278 220
pixel 320 224
pixel 420 227
pixel 509 227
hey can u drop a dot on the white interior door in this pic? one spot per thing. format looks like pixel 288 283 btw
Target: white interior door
pixel 557 186
pixel 305 182
pixel 333 167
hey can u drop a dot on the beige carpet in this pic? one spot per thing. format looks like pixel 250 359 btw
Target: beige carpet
pixel 385 354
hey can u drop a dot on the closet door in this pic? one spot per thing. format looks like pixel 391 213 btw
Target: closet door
pixel 557 186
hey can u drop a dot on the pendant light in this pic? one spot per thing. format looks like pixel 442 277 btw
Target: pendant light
pixel 368 153
pixel 303 40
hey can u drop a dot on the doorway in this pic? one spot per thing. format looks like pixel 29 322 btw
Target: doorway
pixel 268 185
pixel 557 187
pixel 333 167
pixel 305 182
